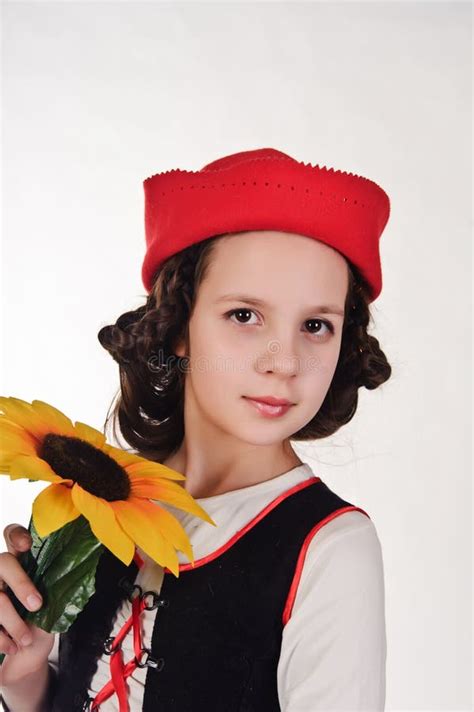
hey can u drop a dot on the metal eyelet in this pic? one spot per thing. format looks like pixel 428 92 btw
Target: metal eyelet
pixel 157 601
pixel 157 664
pixel 108 645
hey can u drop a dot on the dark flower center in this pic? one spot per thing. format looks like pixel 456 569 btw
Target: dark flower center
pixel 78 460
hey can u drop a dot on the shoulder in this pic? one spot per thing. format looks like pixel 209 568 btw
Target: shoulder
pixel 343 556
pixel 334 645
pixel 338 532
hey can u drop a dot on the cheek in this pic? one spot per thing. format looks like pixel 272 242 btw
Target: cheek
pixel 217 363
pixel 223 348
pixel 319 369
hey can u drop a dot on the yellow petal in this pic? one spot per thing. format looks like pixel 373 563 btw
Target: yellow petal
pixel 11 404
pixel 141 465
pixel 157 517
pixel 146 468
pixel 58 422
pixel 171 493
pixel 10 425
pixel 23 413
pixel 89 434
pixel 33 468
pixel 149 533
pixel 14 441
pixel 103 523
pixel 53 508
pixel 123 457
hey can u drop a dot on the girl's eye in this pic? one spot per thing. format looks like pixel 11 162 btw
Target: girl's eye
pixel 327 324
pixel 238 311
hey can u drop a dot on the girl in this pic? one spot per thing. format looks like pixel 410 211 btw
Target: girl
pixel 259 271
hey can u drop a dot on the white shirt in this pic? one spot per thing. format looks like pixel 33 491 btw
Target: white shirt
pixel 333 650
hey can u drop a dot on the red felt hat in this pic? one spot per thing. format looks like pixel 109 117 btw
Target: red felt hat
pixel 265 189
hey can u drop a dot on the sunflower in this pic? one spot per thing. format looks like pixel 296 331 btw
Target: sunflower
pixel 110 487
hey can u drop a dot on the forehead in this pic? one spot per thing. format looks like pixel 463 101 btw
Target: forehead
pixel 253 244
pixel 266 260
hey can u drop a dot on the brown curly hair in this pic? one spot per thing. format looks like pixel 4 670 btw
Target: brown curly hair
pixel 149 406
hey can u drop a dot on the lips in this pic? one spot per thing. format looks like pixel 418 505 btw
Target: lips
pixel 270 400
pixel 268 410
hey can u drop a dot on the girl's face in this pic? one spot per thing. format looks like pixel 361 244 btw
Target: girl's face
pixel 278 334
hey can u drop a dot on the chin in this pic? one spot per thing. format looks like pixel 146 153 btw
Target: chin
pixel 251 435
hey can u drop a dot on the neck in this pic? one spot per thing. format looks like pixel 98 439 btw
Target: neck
pixel 206 477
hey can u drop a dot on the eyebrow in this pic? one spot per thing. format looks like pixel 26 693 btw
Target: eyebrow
pixel 321 309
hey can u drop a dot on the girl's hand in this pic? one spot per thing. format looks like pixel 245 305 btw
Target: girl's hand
pixel 28 648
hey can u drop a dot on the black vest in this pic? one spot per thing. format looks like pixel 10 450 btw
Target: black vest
pixel 216 642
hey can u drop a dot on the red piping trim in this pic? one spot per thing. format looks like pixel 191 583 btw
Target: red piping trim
pixel 121 672
pixel 213 555
pixel 302 555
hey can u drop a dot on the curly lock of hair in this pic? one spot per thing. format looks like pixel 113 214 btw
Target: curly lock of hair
pixel 149 407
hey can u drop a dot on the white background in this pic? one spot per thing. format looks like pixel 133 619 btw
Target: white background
pixel 98 96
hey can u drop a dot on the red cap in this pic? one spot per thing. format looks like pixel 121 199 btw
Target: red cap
pixel 265 189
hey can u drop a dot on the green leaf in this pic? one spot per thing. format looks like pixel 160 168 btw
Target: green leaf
pixel 62 566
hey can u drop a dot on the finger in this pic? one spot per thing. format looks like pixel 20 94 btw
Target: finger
pixel 20 583
pixel 17 538
pixel 13 624
pixel 7 645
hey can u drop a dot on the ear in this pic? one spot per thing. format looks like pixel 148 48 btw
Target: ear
pixel 180 349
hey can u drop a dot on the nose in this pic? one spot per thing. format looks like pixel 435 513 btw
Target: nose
pixel 279 356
